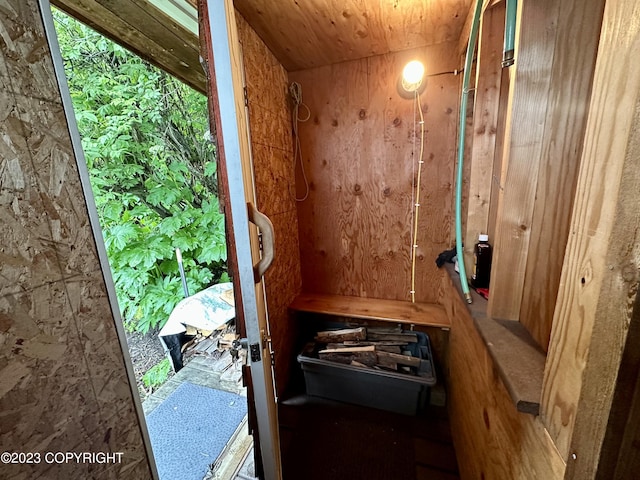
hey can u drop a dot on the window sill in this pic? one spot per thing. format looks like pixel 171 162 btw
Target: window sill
pixel 518 359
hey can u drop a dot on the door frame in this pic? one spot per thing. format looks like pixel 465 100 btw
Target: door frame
pixel 227 96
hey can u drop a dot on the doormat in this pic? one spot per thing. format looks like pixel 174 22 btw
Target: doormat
pixel 189 429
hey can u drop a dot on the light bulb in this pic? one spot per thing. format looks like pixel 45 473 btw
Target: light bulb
pixel 413 72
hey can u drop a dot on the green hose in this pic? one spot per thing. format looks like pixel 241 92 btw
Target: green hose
pixel 463 123
pixel 508 54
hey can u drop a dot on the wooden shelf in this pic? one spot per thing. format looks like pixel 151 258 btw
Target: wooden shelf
pixel 518 358
pixel 425 314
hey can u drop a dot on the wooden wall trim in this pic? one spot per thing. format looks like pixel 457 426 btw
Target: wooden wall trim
pixel 485 126
pixel 602 262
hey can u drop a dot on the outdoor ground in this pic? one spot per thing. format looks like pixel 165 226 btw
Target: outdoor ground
pixel 146 351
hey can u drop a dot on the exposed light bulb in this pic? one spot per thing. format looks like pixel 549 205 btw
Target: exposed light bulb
pixel 412 75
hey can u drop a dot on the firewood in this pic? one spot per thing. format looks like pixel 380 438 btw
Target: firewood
pixel 388 348
pixel 381 342
pixel 355 363
pixel 331 336
pixel 366 348
pixel 367 358
pixel 393 337
pixel 385 359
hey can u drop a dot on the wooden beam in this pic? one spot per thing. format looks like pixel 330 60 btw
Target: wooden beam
pixel 569 94
pixel 529 98
pixel 146 31
pixel 485 126
pixel 601 269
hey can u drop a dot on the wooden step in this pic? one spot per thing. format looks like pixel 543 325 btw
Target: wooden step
pixel 425 314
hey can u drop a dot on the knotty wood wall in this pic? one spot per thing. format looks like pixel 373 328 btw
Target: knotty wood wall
pixel 63 383
pixel 355 227
pixel 272 149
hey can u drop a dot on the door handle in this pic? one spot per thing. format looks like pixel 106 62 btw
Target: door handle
pixel 268 250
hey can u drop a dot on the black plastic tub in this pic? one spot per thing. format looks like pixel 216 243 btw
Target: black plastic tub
pixel 386 390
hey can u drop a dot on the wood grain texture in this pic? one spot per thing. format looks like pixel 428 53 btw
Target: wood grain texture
pixel 529 98
pixel 63 382
pixel 355 227
pixel 389 310
pixel 620 454
pixel 570 89
pixel 492 439
pixel 305 35
pixel 485 127
pixel 145 30
pixel 272 149
pixel 601 268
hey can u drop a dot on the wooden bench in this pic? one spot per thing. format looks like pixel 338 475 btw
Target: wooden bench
pixel 397 311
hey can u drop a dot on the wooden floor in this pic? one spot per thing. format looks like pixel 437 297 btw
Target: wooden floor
pixel 322 439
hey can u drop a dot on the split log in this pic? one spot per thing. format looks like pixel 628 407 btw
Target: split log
pixel 392 360
pixel 355 363
pixel 382 342
pixel 331 336
pixel 388 348
pixel 393 337
pixel 366 348
pixel 368 358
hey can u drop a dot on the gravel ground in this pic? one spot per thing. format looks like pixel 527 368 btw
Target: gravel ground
pixel 145 351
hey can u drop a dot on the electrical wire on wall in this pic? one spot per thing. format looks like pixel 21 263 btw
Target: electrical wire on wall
pixel 416 196
pixel 295 90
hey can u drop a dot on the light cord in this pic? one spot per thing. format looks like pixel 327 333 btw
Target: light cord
pixel 416 205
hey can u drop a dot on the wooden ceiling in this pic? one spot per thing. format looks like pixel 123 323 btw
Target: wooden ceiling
pixel 309 33
pixel 301 33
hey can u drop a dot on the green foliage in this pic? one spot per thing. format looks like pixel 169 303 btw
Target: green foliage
pixel 157 375
pixel 152 173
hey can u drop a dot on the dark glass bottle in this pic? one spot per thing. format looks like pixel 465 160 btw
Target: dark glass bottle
pixel 482 254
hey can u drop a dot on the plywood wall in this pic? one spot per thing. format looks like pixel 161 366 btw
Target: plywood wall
pixel 63 384
pixel 493 440
pixel 358 148
pixel 272 149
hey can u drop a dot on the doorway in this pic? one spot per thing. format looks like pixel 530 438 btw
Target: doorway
pixel 152 169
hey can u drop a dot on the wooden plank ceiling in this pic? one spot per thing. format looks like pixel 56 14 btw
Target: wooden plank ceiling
pixel 145 30
pixel 306 34
pixel 301 34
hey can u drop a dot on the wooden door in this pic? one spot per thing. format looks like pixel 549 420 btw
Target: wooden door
pixel 223 64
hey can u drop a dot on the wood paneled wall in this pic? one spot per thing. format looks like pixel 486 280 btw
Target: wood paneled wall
pixel 63 383
pixel 358 148
pixel 272 149
pixel 493 440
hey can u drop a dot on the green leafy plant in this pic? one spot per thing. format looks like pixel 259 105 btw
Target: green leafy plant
pixel 157 375
pixel 152 171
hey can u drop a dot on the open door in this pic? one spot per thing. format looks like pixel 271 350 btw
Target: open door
pixel 249 253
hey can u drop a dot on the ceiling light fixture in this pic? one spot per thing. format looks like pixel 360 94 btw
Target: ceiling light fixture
pixel 412 76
